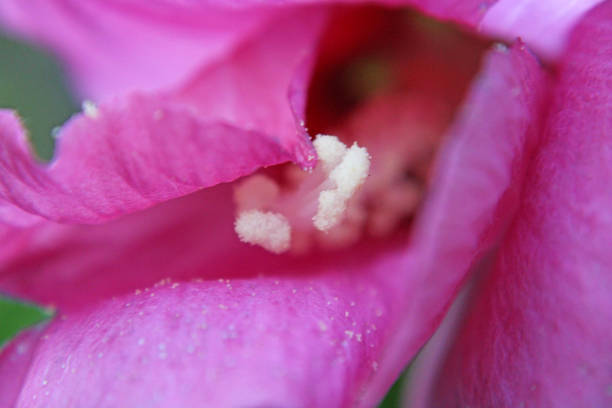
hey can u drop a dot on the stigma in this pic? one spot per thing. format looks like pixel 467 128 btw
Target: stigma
pixel 291 218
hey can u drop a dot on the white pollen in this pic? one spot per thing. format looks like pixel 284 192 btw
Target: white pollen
pixel 267 229
pixel 330 151
pixel 277 216
pixel 348 176
pixel 90 109
pixel 332 205
pixel 351 173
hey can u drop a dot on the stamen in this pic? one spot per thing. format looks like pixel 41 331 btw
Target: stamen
pixel 339 202
pixel 348 176
pixel 330 151
pixel 266 216
pixel 267 229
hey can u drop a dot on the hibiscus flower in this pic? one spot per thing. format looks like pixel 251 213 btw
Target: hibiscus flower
pixel 133 232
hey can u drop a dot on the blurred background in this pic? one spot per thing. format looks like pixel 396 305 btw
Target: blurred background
pixel 32 83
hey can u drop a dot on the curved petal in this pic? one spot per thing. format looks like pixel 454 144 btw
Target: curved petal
pixel 474 191
pixel 15 360
pixel 538 332
pixel 123 161
pixel 176 239
pixel 264 341
pixel 113 48
pixel 133 152
pixel 544 25
pixel 410 286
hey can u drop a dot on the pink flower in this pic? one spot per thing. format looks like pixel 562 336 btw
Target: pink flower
pixel 129 231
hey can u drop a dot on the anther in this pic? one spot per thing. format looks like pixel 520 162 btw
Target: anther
pixel 266 229
pixel 267 215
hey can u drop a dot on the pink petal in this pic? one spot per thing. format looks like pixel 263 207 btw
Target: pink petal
pixel 192 237
pixel 474 192
pixel 113 47
pixel 538 332
pixel 144 149
pixel 358 295
pixel 124 161
pixel 543 24
pixel 180 239
pixel 265 341
pixel 15 359
pixel 407 289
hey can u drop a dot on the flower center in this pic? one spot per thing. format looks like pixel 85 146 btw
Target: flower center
pixel 387 84
pixel 318 202
pixel 368 189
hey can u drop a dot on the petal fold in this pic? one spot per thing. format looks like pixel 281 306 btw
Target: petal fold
pixel 133 155
pixel 112 48
pixel 235 116
pixel 537 332
pixel 474 192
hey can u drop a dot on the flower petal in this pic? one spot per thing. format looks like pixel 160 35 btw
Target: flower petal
pixel 133 152
pixel 125 160
pixel 113 48
pixel 543 24
pixel 177 239
pixel 413 283
pixel 538 332
pixel 405 283
pixel 474 190
pixel 15 360
pixel 263 341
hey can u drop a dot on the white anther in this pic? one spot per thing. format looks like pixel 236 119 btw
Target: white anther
pixel 332 205
pixel 267 229
pixel 348 176
pixel 330 150
pixel 352 171
pixel 265 211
